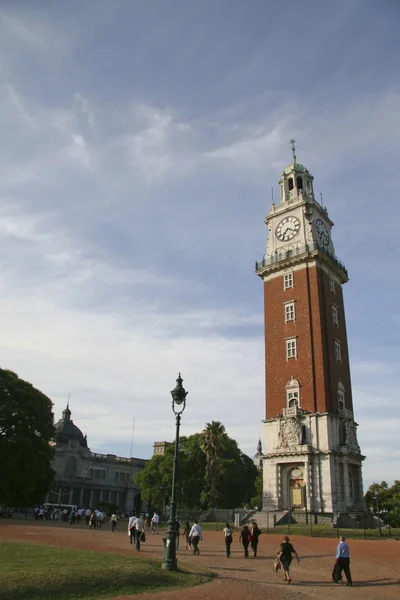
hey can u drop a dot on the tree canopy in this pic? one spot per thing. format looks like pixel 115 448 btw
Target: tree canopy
pixel 388 500
pixel 212 472
pixel 26 428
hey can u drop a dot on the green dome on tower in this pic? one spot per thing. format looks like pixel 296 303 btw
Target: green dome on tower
pixel 297 167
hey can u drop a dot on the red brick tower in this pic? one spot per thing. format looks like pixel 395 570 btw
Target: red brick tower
pixel 312 459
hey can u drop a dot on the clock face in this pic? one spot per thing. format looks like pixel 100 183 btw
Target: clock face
pixel 322 232
pixel 287 228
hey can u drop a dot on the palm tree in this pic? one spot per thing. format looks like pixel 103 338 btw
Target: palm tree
pixel 214 438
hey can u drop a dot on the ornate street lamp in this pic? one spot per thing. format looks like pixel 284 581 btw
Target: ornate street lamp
pixel 178 406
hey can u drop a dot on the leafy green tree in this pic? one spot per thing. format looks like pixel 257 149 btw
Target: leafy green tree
pixel 214 442
pixel 26 429
pixel 234 485
pixel 389 501
pixel 257 499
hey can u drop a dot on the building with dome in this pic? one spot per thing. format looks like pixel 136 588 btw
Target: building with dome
pixel 86 478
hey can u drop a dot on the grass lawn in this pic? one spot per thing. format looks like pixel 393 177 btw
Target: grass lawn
pixel 40 572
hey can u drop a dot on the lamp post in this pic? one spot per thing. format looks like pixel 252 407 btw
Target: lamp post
pixel 178 406
pixel 377 507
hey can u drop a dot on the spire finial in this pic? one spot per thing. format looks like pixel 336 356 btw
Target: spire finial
pixel 292 141
pixel 68 402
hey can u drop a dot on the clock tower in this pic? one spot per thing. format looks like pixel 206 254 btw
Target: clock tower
pixel 312 460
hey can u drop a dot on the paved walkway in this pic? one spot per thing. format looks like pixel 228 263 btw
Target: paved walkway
pixel 375 564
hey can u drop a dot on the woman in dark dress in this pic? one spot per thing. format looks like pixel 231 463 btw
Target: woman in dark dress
pixel 245 539
pixel 285 556
pixel 255 533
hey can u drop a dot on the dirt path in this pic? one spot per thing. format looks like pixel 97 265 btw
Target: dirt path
pixel 375 564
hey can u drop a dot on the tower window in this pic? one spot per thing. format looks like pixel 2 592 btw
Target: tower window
pixel 288 280
pixel 290 183
pixel 332 284
pixel 289 312
pixel 335 318
pixel 338 351
pixel 292 399
pixel 299 183
pixel 340 395
pixel 291 349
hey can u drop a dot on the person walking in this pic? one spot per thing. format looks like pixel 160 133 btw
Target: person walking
pixel 139 531
pixel 88 514
pixel 228 539
pixel 187 535
pixel 154 523
pixel 177 528
pixel 343 561
pixel 131 528
pixel 245 539
pixel 255 533
pixel 93 520
pixel 196 535
pixel 113 522
pixel 285 556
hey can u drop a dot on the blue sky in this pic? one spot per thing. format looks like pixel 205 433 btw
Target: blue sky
pixel 140 142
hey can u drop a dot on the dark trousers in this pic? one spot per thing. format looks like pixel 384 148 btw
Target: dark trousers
pixel 228 542
pixel 246 549
pixel 195 544
pixel 137 539
pixel 132 534
pixel 344 564
pixel 254 545
pixel 113 525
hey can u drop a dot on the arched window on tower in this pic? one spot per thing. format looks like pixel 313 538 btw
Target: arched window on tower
pixel 290 183
pixel 292 393
pixel 341 399
pixel 299 181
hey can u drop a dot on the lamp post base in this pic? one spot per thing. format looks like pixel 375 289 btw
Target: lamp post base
pixel 169 564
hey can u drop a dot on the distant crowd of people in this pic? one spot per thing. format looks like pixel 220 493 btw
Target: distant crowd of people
pixel 248 537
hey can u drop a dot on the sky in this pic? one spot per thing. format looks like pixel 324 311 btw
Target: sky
pixel 140 141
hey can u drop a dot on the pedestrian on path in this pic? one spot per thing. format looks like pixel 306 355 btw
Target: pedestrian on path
pixel 245 538
pixel 285 556
pixel 131 528
pixel 196 535
pixel 187 535
pixel 343 561
pixel 139 531
pixel 113 522
pixel 228 539
pixel 255 533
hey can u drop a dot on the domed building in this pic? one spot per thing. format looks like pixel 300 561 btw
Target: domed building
pixel 86 478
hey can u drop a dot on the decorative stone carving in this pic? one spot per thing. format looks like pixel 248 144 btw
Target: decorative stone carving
pixel 289 433
pixel 297 473
pixel 351 435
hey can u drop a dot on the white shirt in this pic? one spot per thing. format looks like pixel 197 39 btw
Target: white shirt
pixel 131 522
pixel 139 524
pixel 87 512
pixel 155 518
pixel 196 531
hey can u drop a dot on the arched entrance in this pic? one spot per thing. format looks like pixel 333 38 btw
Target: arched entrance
pixel 296 488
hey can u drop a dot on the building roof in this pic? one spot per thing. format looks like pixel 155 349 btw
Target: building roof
pixel 66 430
pixel 299 168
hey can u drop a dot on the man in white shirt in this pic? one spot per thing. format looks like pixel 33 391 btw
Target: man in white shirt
pixel 88 514
pixel 131 528
pixel 196 535
pixel 154 523
pixel 139 531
